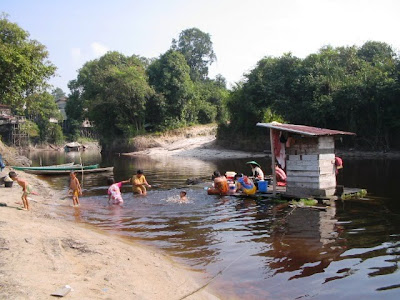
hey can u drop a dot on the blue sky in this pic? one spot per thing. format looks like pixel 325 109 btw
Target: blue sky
pixel 242 32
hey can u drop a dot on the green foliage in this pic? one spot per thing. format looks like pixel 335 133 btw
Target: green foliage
pixel 24 65
pixel 304 202
pixel 347 88
pixel 57 93
pixel 30 128
pixel 197 48
pixel 124 96
pixel 112 91
pixel 42 109
pixel 169 76
pixel 270 116
pixel 55 134
pixel 212 96
pixel 74 129
pixel 207 113
pixel 74 107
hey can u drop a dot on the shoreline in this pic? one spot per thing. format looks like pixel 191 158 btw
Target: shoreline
pixel 40 253
pixel 205 148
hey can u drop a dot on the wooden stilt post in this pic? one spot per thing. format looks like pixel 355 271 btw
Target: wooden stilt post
pixel 272 162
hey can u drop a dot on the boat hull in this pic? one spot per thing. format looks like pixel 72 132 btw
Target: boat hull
pixel 66 172
pixel 59 167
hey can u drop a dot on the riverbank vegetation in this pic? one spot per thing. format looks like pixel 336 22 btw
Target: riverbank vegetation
pixel 347 88
pixel 123 96
pixel 24 72
pixel 126 96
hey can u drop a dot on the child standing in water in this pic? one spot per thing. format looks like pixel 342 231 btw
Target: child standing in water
pixel 75 188
pixel 114 192
pixel 26 189
pixel 139 183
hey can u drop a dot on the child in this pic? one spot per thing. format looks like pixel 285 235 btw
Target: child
pixel 139 183
pixel 26 189
pixel 114 192
pixel 182 194
pixel 75 188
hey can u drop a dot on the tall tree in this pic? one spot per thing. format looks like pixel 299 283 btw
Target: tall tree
pixel 114 90
pixel 169 75
pixel 197 48
pixel 24 65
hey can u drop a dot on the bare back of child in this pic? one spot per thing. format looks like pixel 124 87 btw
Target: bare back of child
pixel 26 189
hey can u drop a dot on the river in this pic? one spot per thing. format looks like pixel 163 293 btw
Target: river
pixel 257 249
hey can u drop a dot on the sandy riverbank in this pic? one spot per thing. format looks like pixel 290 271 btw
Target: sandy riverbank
pixel 39 253
pixel 196 142
pixel 200 142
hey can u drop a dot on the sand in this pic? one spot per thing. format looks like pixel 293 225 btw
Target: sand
pixel 202 147
pixel 40 253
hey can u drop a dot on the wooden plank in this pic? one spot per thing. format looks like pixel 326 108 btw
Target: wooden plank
pixel 273 162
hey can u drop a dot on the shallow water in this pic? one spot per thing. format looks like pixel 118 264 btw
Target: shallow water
pixel 264 250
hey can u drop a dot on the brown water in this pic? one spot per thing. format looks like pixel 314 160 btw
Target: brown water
pixel 265 250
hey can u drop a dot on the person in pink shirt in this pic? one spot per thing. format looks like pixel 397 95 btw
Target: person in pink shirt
pixel 114 192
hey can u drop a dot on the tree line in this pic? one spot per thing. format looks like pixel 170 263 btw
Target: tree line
pixel 24 72
pixel 130 95
pixel 353 89
pixel 347 88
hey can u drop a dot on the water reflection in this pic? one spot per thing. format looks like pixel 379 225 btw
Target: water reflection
pixel 264 250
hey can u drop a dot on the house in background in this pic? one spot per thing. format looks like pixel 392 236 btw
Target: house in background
pixel 10 127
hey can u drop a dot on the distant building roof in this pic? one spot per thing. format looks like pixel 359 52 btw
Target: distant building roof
pixel 304 130
pixel 62 99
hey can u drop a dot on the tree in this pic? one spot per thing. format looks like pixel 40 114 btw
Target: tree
pixel 169 75
pixel 197 48
pixel 58 93
pixel 42 109
pixel 376 52
pixel 347 88
pixel 24 65
pixel 112 91
pixel 212 97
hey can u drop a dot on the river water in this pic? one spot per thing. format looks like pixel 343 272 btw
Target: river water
pixel 257 249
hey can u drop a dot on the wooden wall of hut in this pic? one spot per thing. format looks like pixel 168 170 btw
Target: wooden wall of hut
pixel 310 166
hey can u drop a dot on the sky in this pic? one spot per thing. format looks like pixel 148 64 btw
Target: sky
pixel 242 31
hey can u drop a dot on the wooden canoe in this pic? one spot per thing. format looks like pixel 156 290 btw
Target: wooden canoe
pixel 66 172
pixel 58 168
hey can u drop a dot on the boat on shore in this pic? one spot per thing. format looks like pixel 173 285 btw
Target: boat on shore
pixel 64 167
pixel 60 171
pixel 74 146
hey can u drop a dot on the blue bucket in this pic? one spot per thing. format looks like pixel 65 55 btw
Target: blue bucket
pixel 263 186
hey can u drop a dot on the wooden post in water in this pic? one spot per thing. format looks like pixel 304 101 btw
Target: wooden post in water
pixel 272 162
pixel 80 159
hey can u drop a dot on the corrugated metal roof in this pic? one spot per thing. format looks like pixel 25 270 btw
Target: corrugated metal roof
pixel 304 130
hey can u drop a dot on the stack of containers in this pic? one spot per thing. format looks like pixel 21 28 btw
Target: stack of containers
pixel 230 176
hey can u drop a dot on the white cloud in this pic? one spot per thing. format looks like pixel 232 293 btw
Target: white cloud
pixel 98 49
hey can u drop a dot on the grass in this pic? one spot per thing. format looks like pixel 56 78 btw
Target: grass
pixel 304 202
